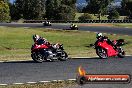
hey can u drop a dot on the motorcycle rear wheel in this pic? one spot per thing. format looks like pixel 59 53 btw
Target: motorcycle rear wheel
pixel 102 53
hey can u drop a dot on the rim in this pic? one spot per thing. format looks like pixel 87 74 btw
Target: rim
pixel 121 52
pixel 38 57
pixel 102 53
pixel 63 56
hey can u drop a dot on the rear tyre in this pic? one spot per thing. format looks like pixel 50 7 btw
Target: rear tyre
pixel 121 53
pixel 77 28
pixel 37 57
pixel 102 53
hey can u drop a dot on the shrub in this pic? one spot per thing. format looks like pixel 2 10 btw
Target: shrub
pixel 85 17
pixel 113 15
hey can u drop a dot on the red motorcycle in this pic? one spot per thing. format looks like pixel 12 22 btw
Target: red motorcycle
pixel 105 50
pixel 44 52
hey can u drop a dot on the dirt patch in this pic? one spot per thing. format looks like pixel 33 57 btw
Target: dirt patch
pixel 97 24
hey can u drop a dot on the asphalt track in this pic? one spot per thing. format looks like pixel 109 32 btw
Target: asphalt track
pixel 111 30
pixel 28 71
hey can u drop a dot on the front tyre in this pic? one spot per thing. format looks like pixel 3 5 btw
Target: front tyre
pixel 121 53
pixel 37 57
pixel 102 53
pixel 63 56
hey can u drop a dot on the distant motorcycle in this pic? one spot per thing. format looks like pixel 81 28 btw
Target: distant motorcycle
pixel 73 27
pixel 42 52
pixel 104 50
pixel 46 23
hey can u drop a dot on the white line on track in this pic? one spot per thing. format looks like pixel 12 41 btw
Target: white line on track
pixel 44 81
pixel 54 80
pixel 18 83
pixel 31 82
pixel 3 84
pixel 60 80
pixel 72 79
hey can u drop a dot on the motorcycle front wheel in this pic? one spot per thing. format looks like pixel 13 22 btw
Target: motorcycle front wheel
pixel 37 57
pixel 121 53
pixel 63 56
pixel 102 53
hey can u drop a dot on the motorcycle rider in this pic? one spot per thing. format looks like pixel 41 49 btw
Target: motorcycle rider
pixel 101 38
pixel 73 25
pixel 37 38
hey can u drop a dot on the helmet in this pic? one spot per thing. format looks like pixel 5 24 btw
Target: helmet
pixel 75 25
pixel 35 37
pixel 99 35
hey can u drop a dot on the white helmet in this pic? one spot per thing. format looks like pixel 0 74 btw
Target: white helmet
pixel 99 35
pixel 35 37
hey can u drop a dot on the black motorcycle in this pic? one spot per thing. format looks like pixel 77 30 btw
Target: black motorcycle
pixel 46 23
pixel 73 27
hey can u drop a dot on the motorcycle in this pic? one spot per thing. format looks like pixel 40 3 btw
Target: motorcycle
pixel 104 50
pixel 46 23
pixel 41 52
pixel 73 27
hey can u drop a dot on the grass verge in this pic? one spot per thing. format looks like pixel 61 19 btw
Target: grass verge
pixel 15 43
pixel 61 84
pixel 129 25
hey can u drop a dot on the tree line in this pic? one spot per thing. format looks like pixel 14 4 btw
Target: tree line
pixel 59 9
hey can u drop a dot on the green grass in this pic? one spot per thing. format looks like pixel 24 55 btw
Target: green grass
pixel 129 25
pixel 15 43
pixel 94 16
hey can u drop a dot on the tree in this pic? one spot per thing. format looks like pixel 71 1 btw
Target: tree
pixel 60 9
pixel 97 6
pixel 85 16
pixel 40 9
pixel 127 7
pixel 52 8
pixel 65 13
pixel 30 9
pixel 6 1
pixel 4 11
pixel 70 3
pixel 113 14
